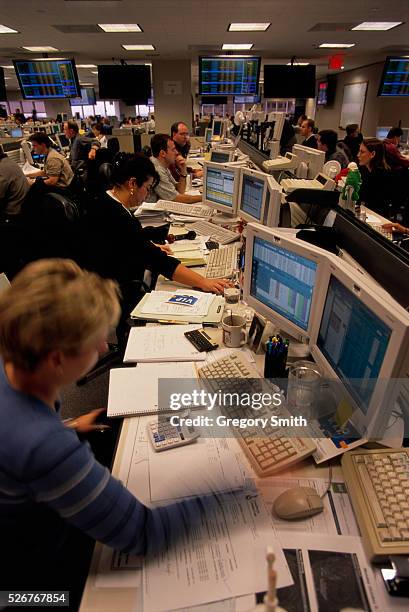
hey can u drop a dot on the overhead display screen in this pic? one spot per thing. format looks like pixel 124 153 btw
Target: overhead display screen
pixel 229 75
pixel 42 79
pixel 395 77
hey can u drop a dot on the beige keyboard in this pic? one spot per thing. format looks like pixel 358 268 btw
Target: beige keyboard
pixel 217 233
pixel 222 262
pixel 378 486
pixel 179 208
pixel 292 184
pixel 266 450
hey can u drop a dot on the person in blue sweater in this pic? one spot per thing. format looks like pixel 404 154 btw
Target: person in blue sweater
pixel 54 321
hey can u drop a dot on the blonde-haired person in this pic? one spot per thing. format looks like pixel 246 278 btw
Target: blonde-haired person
pixel 54 321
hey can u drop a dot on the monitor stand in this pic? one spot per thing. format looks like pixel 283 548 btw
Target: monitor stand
pixel 224 218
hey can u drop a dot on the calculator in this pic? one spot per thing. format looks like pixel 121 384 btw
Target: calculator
pixel 201 341
pixel 164 436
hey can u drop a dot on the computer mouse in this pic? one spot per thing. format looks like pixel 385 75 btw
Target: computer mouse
pixel 298 503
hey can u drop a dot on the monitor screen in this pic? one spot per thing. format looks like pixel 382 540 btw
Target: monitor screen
pixel 220 187
pixel 395 77
pixel 282 81
pixel 217 127
pixel 229 75
pixel 43 79
pixel 208 135
pixel 129 83
pixel 322 93
pixel 64 142
pixel 55 128
pixel 87 98
pixel 345 319
pixel 251 197
pixel 283 281
pixel 220 157
pixel 247 99
pixel 16 133
pixel 3 93
pixel 382 132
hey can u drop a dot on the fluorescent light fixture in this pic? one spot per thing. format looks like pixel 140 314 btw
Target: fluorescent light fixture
pixel 47 59
pixel 377 26
pixel 120 27
pixel 86 84
pixel 7 78
pixel 94 71
pixel 5 30
pixel 237 47
pixel 248 27
pixel 298 64
pixel 11 67
pixel 336 45
pixel 138 47
pixel 86 66
pixel 40 49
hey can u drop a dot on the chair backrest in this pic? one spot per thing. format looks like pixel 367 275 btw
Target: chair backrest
pixel 104 176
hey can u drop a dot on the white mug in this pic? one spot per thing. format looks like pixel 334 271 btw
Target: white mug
pixel 234 331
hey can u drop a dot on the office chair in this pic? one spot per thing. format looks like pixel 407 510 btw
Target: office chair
pixel 315 203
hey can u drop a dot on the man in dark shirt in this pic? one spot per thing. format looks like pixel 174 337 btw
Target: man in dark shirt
pixel 82 148
pixel 394 158
pixel 352 140
pixel 307 131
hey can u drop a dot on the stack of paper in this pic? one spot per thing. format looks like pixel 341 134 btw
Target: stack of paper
pixel 161 343
pixel 189 254
pixel 180 302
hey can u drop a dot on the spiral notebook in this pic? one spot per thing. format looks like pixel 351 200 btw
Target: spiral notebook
pixel 134 391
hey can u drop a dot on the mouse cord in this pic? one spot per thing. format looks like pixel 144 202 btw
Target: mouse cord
pixel 329 481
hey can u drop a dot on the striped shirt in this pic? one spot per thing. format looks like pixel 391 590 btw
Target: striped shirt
pixel 47 473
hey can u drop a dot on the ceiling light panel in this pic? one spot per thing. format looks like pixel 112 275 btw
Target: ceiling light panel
pixel 298 64
pixel 40 49
pixel 248 27
pixel 237 47
pixel 377 26
pixel 138 47
pixel 337 45
pixel 120 27
pixel 86 66
pixel 6 30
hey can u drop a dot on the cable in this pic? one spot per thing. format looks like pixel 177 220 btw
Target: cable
pixel 329 481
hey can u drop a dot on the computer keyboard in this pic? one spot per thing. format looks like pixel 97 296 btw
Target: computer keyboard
pixel 378 486
pixel 191 210
pixel 217 233
pixel 280 163
pixel 292 184
pixel 222 262
pixel 266 450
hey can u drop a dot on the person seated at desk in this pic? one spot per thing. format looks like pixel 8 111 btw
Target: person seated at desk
pixel 352 140
pixel 82 148
pixel 117 246
pixel 375 174
pixel 307 131
pixel 14 188
pixel 164 154
pixel 56 167
pixel 394 158
pixel 54 322
pixel 179 133
pixel 98 133
pixel 327 141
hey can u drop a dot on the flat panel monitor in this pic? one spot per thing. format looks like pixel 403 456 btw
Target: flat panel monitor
pixel 221 157
pixel 44 79
pixel 16 132
pixel 256 99
pixel 218 125
pixel 395 77
pixel 208 135
pixel 221 187
pixel 87 97
pixel 311 161
pixel 382 132
pixel 281 81
pixel 129 83
pixel 322 99
pixel 214 100
pixel 229 75
pixel 362 338
pixel 283 279
pixel 3 92
pixel 259 198
pixel 63 140
pixel 55 128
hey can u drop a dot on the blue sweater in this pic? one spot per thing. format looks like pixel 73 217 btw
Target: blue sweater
pixel 45 471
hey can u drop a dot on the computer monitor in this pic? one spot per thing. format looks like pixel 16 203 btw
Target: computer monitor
pixel 284 279
pixel 218 125
pixel 259 198
pixel 382 132
pixel 221 186
pixel 55 128
pixel 62 140
pixel 278 120
pixel 311 161
pixel 361 337
pixel 16 133
pixel 208 135
pixel 221 157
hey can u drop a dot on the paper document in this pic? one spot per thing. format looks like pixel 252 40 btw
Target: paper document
pixel 161 343
pixel 29 169
pixel 134 391
pixel 158 303
pixel 222 557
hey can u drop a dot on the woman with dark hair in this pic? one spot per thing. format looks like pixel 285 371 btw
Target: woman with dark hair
pixel 375 172
pixel 117 246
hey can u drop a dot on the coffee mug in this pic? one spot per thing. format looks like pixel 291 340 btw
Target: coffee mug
pixel 234 331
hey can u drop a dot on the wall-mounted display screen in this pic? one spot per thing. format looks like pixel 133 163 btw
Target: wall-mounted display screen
pixel 229 75
pixel 43 79
pixel 129 83
pixel 395 77
pixel 281 81
pixel 87 97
